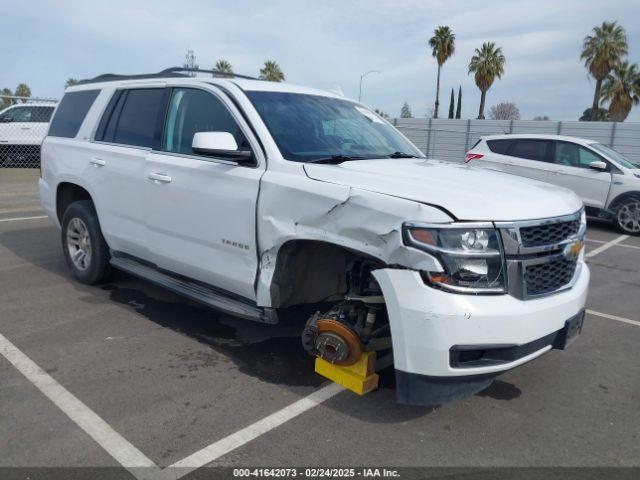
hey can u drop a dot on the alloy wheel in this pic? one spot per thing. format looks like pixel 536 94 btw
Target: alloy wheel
pixel 629 217
pixel 79 244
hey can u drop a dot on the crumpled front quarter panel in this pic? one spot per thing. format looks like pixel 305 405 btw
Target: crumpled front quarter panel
pixel 293 207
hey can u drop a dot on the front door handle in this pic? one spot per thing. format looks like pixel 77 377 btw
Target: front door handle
pixel 159 177
pixel 97 162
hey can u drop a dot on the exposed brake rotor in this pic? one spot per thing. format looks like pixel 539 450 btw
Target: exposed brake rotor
pixel 331 340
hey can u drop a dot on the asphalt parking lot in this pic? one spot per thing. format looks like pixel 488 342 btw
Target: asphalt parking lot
pixel 127 374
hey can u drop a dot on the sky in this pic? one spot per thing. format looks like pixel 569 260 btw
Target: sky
pixel 325 44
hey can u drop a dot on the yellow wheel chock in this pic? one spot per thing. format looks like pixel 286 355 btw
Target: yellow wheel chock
pixel 359 377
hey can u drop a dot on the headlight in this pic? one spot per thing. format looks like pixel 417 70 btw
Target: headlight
pixel 471 255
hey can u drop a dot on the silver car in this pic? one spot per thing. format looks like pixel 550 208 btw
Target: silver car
pixel 607 182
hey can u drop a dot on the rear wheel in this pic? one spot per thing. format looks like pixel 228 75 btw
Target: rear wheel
pixel 83 245
pixel 627 216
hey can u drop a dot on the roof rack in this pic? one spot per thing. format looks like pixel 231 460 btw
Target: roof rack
pixel 166 73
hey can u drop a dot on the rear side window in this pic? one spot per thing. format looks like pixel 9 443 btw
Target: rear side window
pixel 71 112
pixel 132 121
pixel 41 114
pixel 531 149
pixel 499 146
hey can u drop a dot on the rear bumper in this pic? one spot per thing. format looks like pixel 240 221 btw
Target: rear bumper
pixel 430 328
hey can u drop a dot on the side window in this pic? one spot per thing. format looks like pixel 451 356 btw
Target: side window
pixel 41 114
pixel 71 112
pixel 574 155
pixel 531 149
pixel 136 122
pixel 191 111
pixel 17 114
pixel 499 146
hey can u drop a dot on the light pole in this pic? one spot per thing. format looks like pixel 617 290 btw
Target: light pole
pixel 361 77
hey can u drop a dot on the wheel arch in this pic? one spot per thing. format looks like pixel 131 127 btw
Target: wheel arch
pixel 312 271
pixel 623 196
pixel 66 194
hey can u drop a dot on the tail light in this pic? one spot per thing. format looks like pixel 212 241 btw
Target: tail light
pixel 473 156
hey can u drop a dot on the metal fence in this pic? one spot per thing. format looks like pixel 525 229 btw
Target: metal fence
pixel 447 139
pixel 23 125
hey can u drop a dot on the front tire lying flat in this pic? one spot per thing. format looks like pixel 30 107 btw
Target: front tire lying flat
pixel 83 245
pixel 627 216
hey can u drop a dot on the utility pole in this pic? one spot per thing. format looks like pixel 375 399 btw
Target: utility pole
pixel 191 62
pixel 361 77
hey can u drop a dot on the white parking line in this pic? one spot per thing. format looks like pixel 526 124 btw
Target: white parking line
pixel 614 317
pixel 606 246
pixel 241 437
pixel 22 218
pixel 115 444
pixel 618 245
pixel 123 451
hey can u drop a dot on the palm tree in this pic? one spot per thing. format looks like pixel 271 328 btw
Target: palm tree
pixel 601 52
pixel 6 100
pixel 271 72
pixel 621 89
pixel 487 64
pixel 443 47
pixel 223 69
pixel 23 90
pixel 71 82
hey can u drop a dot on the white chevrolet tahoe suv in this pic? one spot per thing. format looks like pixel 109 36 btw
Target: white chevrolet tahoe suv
pixel 607 182
pixel 22 129
pixel 256 197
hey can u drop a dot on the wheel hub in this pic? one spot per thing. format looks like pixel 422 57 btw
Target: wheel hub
pixel 79 244
pixel 629 217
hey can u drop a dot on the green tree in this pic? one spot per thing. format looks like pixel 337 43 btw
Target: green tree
pixel 452 102
pixel 487 64
pixel 443 46
pixel 621 89
pixel 71 82
pixel 23 90
pixel 601 52
pixel 459 107
pixel 224 69
pixel 600 115
pixel 5 101
pixel 271 72
pixel 405 111
pixel 382 113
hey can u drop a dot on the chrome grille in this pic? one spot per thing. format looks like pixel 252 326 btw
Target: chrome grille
pixel 548 277
pixel 548 234
pixel 539 256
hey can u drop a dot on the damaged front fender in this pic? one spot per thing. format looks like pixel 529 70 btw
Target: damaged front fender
pixel 294 207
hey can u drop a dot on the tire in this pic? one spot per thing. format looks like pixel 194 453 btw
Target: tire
pixel 83 245
pixel 627 216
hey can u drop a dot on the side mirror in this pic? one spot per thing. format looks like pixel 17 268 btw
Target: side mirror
pixel 599 165
pixel 4 119
pixel 221 145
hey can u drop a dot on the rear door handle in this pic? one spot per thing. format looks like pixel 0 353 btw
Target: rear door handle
pixel 98 162
pixel 159 177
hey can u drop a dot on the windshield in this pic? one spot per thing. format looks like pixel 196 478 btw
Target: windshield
pixel 307 128
pixel 615 156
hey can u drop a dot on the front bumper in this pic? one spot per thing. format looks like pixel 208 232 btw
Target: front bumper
pixel 427 324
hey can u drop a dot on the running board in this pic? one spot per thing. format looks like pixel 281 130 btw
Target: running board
pixel 207 295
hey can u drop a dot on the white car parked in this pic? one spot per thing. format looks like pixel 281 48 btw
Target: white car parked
pixel 258 198
pixel 22 130
pixel 607 182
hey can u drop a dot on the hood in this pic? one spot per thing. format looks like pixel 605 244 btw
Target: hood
pixel 469 193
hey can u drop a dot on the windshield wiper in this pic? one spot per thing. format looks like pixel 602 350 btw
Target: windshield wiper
pixel 401 155
pixel 335 159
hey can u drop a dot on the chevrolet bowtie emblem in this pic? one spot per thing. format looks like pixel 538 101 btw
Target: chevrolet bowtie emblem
pixel 572 250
